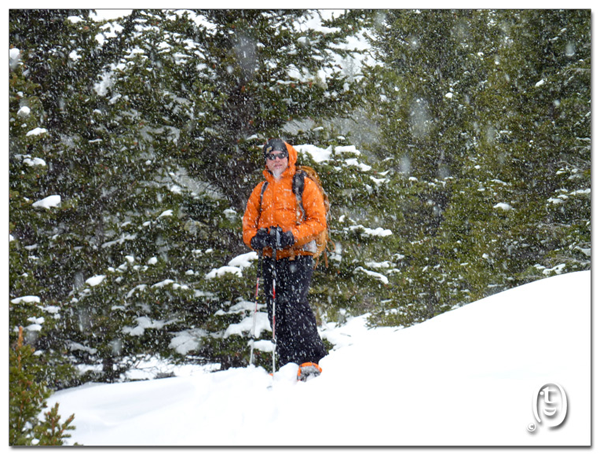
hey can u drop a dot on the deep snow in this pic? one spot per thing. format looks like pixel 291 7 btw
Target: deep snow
pixel 465 378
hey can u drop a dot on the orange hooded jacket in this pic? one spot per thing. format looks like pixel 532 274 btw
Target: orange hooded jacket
pixel 279 208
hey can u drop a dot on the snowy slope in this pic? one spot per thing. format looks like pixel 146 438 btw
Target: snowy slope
pixel 465 378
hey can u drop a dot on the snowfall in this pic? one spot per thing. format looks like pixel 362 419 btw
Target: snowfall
pixel 470 377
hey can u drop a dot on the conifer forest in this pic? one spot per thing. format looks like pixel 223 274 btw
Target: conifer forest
pixel 454 147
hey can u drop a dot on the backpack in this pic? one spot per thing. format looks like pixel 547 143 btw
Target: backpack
pixel 298 188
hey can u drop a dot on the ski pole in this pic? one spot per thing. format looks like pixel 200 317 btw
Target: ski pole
pixel 258 274
pixel 277 243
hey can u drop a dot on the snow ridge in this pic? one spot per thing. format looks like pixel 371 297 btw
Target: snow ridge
pixel 464 378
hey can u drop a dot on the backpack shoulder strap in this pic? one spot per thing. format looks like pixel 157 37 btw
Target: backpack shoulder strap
pixel 262 192
pixel 298 189
pixel 298 182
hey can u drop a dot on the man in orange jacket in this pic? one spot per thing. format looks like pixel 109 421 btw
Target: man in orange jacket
pixel 275 227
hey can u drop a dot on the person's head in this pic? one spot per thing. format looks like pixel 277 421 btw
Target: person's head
pixel 276 156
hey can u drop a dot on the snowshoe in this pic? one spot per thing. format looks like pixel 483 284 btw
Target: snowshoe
pixel 308 370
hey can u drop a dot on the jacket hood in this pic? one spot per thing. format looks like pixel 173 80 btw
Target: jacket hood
pixel 291 169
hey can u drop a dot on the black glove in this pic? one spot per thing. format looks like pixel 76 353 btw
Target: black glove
pixel 286 239
pixel 260 240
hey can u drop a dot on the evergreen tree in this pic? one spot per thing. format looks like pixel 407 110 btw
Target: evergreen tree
pixel 547 157
pixel 116 192
pixel 33 215
pixel 466 102
pixel 28 395
pixel 246 74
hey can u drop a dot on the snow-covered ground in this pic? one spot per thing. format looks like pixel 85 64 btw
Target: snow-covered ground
pixel 469 377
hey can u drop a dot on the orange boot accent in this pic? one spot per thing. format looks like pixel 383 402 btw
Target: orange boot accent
pixel 308 369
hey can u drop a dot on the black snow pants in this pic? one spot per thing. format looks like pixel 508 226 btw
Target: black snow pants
pixel 296 332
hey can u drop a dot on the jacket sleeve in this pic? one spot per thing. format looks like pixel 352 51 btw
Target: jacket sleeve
pixel 316 215
pixel 251 215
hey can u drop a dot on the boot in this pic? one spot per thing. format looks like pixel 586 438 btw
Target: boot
pixel 308 370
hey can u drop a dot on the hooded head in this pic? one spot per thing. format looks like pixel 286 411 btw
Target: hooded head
pixel 278 146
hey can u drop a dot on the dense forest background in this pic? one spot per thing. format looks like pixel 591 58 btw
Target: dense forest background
pixel 458 165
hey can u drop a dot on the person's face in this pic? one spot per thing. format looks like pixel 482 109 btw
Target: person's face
pixel 279 162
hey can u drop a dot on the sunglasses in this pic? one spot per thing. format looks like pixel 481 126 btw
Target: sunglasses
pixel 274 156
